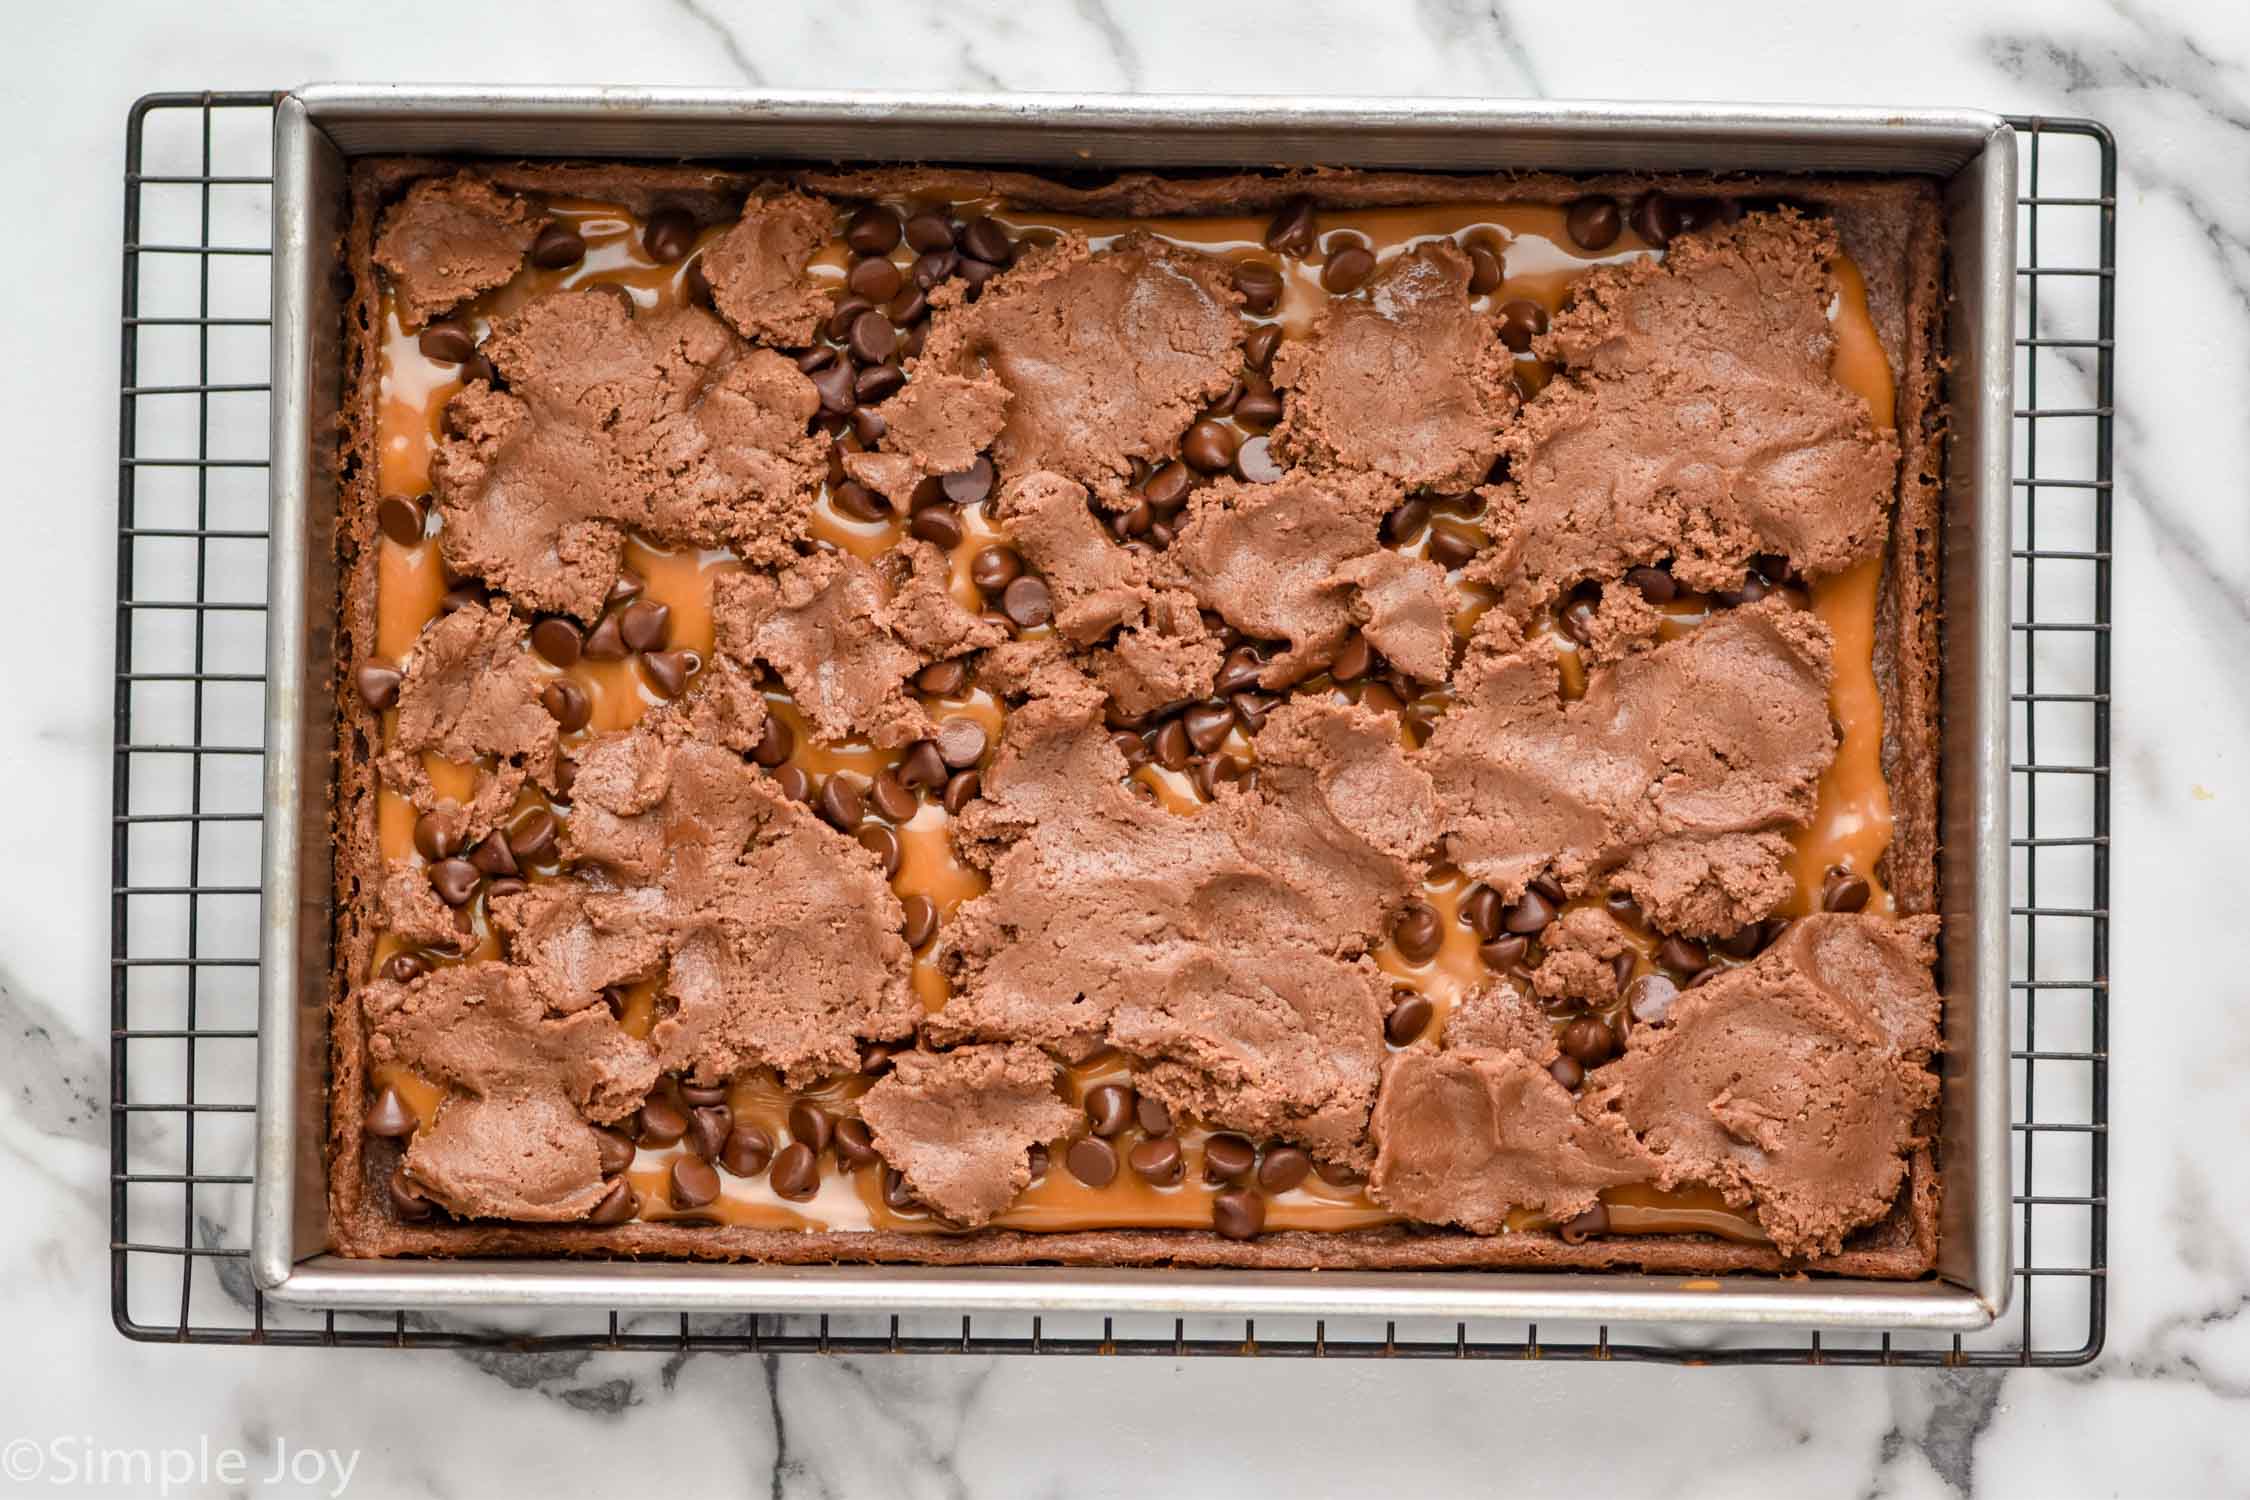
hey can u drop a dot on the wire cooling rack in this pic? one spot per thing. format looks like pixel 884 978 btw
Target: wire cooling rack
pixel 191 552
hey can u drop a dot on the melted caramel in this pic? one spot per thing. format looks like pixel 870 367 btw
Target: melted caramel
pixel 1851 828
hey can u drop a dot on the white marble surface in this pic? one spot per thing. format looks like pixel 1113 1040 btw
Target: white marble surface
pixel 2155 1416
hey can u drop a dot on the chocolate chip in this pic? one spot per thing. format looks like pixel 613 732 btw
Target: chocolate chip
pixel 1239 671
pixel 1680 954
pixel 747 1149
pixel 1132 747
pixel 378 686
pixel 1451 547
pixel 921 921
pixel 462 596
pixel 1283 1168
pixel 1655 219
pixel 1228 1158
pixel 661 1120
pixel 961 788
pixel 1207 725
pixel 923 766
pixel 1158 1161
pixel 987 241
pixel 568 704
pixel 872 338
pixel 855 1145
pixel 876 278
pixel 1110 1108
pixel 945 679
pixel 883 843
pixel 1293 230
pixel 1594 1221
pixel 696 284
pixel 403 518
pixel 1379 697
pixel 557 246
pixel 1589 1041
pixel 775 743
pixel 1770 930
pixel 1167 486
pixel 896 1195
pixel 1254 462
pixel 433 839
pixel 928 231
pixel 1258 349
pixel 796 1173
pixel 811 1125
pixel 606 641
pixel 407 1203
pixel 1209 446
pixel 1503 954
pixel 1743 943
pixel 645 625
pixel 1530 916
pixel 1593 223
pixel 1153 1115
pixel 708 1126
pixel 447 343
pixel 455 879
pixel 794 783
pixel 616 1149
pixel 558 640
pixel 1036 1158
pixel 1238 1213
pixel 934 267
pixel 1844 891
pixel 939 525
pixel 1408 1019
pixel 1092 1161
pixel 961 743
pixel 1027 603
pixel 1578 617
pixel 1486 270
pixel 1354 660
pixel 874 230
pixel 857 501
pixel 994 568
pixel 1650 997
pixel 670 235
pixel 1753 589
pixel 815 359
pixel 890 796
pixel 1260 285
pixel 908 308
pixel 492 856
pixel 1170 746
pixel 1565 1071
pixel 1656 585
pixel 835 384
pixel 1481 909
pixel 1520 322
pixel 1418 931
pixel 840 803
pixel 668 671
pixel 1406 522
pixel 1347 269
pixel 1250 710
pixel 404 968
pixel 389 1118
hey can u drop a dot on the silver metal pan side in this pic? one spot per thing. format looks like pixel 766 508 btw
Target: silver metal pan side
pixel 317 128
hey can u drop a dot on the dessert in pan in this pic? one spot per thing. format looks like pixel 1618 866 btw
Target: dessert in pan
pixel 1317 719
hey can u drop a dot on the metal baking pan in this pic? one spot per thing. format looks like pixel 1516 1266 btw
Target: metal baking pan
pixel 318 128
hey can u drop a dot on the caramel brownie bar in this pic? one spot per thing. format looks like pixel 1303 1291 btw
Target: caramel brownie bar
pixel 1316 718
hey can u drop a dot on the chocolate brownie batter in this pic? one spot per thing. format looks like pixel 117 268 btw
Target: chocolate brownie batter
pixel 1026 763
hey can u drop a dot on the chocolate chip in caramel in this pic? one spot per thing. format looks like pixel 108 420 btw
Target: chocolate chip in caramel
pixel 556 247
pixel 840 802
pixel 1166 488
pixel 874 230
pixel 961 742
pixel 1743 943
pixel 378 686
pixel 1293 231
pixel 1283 1168
pixel 1528 917
pixel 943 679
pixel 961 789
pixel 1681 955
pixel 1843 891
pixel 933 267
pixel 1452 547
pixel 455 879
pixel 1171 747
pixel 869 426
pixel 1405 523
pixel 923 767
pixel 1655 219
pixel 855 1145
pixel 433 840
pixel 405 968
pixel 660 1120
pixel 891 797
pixel 921 921
pixel 747 1149
pixel 1594 1221
pixel 447 343
pixel 1503 954
pixel 939 525
pixel 874 277
pixel 407 1203
pixel 1250 710
pixel 669 236
pixel 492 855
pixel 669 671
pixel 1486 270
pixel 703 1093
pixel 1336 1174
pixel 1238 672
pixel 1418 932
pixel 1258 349
pixel 811 1124
pixel 568 704
pixel 1207 725
pixel 558 640
pixel 1567 1072
pixel 403 518
pixel 708 1128
pixel 774 744
pixel 645 625
pixel 1354 660
pixel 1752 590
pixel 606 641
pixel 928 231
pixel 1260 405
pixel 796 1173
pixel 857 501
pixel 1588 1041
pixel 1259 282
pixel 1347 269
pixel 1208 447
pixel 1092 1160
pixel 872 338
pixel 616 1148
pixel 794 783
pixel 1110 1108
pixel 994 568
pixel 1027 604
pixel 835 385
pixel 1409 1018
pixel 1157 1161
pixel 1481 909
pixel 462 596
pixel 1152 1115
pixel 619 1205
pixel 882 842
pixel 1521 321
pixel 1254 463
pixel 1656 585
pixel 1228 1157
pixel 389 1118
pixel 986 241
pixel 1238 1213
pixel 897 1196
pixel 1593 223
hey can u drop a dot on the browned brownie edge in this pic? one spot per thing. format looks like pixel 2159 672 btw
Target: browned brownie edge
pixel 1892 227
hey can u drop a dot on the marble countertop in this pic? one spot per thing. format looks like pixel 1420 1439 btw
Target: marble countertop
pixel 2153 1416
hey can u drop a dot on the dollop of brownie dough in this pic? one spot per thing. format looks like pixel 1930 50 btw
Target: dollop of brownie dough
pixel 1096 584
pixel 959 1126
pixel 664 424
pixel 1695 418
pixel 937 425
pixel 1463 1137
pixel 1225 950
pixel 1172 657
pixel 1797 1083
pixel 1106 356
pixel 1679 769
pixel 1269 558
pixel 923 612
pixel 410 909
pixel 513 1141
pixel 777 937
pixel 1408 382
pixel 756 269
pixel 450 238
pixel 1404 607
pixel 825 623
pixel 1500 1017
pixel 471 695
